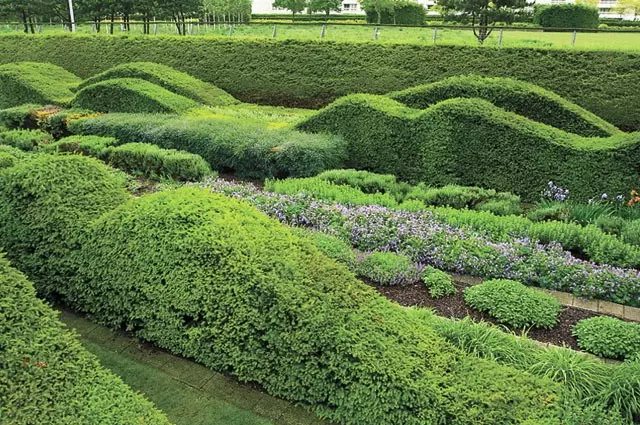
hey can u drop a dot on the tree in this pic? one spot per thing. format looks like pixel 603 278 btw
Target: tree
pixel 378 6
pixel 229 10
pixel 483 13
pixel 592 3
pixel 32 12
pixel 326 6
pixel 628 6
pixel 179 11
pixel 295 6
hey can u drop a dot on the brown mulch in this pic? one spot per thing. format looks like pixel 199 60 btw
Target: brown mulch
pixel 453 306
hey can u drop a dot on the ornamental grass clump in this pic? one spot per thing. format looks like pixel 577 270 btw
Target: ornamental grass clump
pixel 514 304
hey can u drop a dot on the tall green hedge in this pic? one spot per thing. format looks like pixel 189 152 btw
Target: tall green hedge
pixel 32 82
pixel 168 78
pixel 47 377
pixel 472 142
pixel 566 16
pixel 523 98
pixel 404 13
pixel 314 73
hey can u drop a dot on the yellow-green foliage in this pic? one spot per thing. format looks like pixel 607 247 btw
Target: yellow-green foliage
pixel 523 98
pixel 47 377
pixel 32 82
pixel 472 142
pixel 169 78
pixel 130 95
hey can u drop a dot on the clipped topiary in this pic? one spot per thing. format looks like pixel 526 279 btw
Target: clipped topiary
pixel 212 278
pixel 46 203
pixel 608 337
pixel 168 78
pixel 131 95
pixel 47 376
pixel 32 82
pixel 514 304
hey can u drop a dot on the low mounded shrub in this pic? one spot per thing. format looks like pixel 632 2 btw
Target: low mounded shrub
pixel 26 140
pixel 388 268
pixel 331 246
pixel 439 283
pixel 50 119
pixel 86 145
pixel 610 224
pixel 514 304
pixel 168 78
pixel 363 180
pixel 31 82
pixel 608 337
pixel 46 202
pixel 47 376
pixel 568 16
pixel 467 197
pixel 251 150
pixel 131 95
pixel 631 233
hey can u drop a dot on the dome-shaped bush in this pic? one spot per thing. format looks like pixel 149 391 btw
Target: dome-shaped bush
pixel 211 278
pixel 45 203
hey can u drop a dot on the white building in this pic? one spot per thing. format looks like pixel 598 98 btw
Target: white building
pixel 349 7
pixel 606 8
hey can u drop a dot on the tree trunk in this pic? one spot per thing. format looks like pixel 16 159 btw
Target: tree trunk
pixel 33 30
pixel 97 22
pixel 177 19
pixel 293 18
pixel 24 22
pixel 113 19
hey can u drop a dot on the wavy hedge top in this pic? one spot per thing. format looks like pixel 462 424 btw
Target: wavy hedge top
pixel 475 143
pixel 175 81
pixel 34 82
pixel 523 98
pixel 47 376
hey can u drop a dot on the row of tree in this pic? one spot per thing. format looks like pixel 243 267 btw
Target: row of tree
pixel 35 12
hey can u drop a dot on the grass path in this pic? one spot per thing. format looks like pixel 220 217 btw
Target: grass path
pixel 188 393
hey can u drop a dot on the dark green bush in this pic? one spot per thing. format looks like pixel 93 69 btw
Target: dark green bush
pixel 295 73
pixel 51 119
pixel 130 95
pixel 566 16
pixel 251 150
pixel 439 283
pixel 167 77
pixel 520 97
pixel 46 202
pixel 608 337
pixel 514 304
pixel 25 140
pixel 19 117
pixel 404 13
pixel 31 82
pixel 471 142
pixel 250 298
pixel 47 376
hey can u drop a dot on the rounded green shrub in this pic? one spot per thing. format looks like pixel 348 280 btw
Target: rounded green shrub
pixel 211 278
pixel 131 95
pixel 46 203
pixel 6 160
pixel 611 224
pixel 439 283
pixel 566 16
pixel 388 268
pixel 514 304
pixel 86 145
pixel 608 337
pixel 32 82
pixel 25 140
pixel 631 232
pixel 363 180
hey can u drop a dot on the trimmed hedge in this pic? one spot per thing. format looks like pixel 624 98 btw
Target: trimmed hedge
pixel 211 278
pixel 566 16
pixel 471 142
pixel 520 97
pixel 314 73
pixel 249 149
pixel 404 13
pixel 32 82
pixel 46 202
pixel 51 119
pixel 47 376
pixel 130 95
pixel 25 140
pixel 168 78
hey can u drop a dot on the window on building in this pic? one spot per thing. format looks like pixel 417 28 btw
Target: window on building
pixel 350 7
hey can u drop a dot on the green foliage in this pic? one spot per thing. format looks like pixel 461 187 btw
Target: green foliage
pixel 51 119
pixel 514 304
pixel 622 392
pixel 31 82
pixel 46 202
pixel 86 145
pixel 168 78
pixel 472 142
pixel 25 140
pixel 294 73
pixel 251 150
pixel 403 13
pixel 19 117
pixel 608 337
pixel 363 180
pixel 566 16
pixel 388 268
pixel 130 95
pixel 47 376
pixel 520 97
pixel 439 283
pixel 631 233
pixel 331 246
pixel 248 297
pixel 613 225
pixel 459 197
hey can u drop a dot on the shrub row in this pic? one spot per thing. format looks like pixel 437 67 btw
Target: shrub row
pixel 212 278
pixel 296 73
pixel 47 376
pixel 52 120
pixel 472 142
pixel 566 16
pixel 249 149
pixel 138 159
pixel 520 97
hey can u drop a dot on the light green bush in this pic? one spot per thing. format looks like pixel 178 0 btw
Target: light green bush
pixel 331 246
pixel 26 140
pixel 31 82
pixel 387 268
pixel 608 337
pixel 439 283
